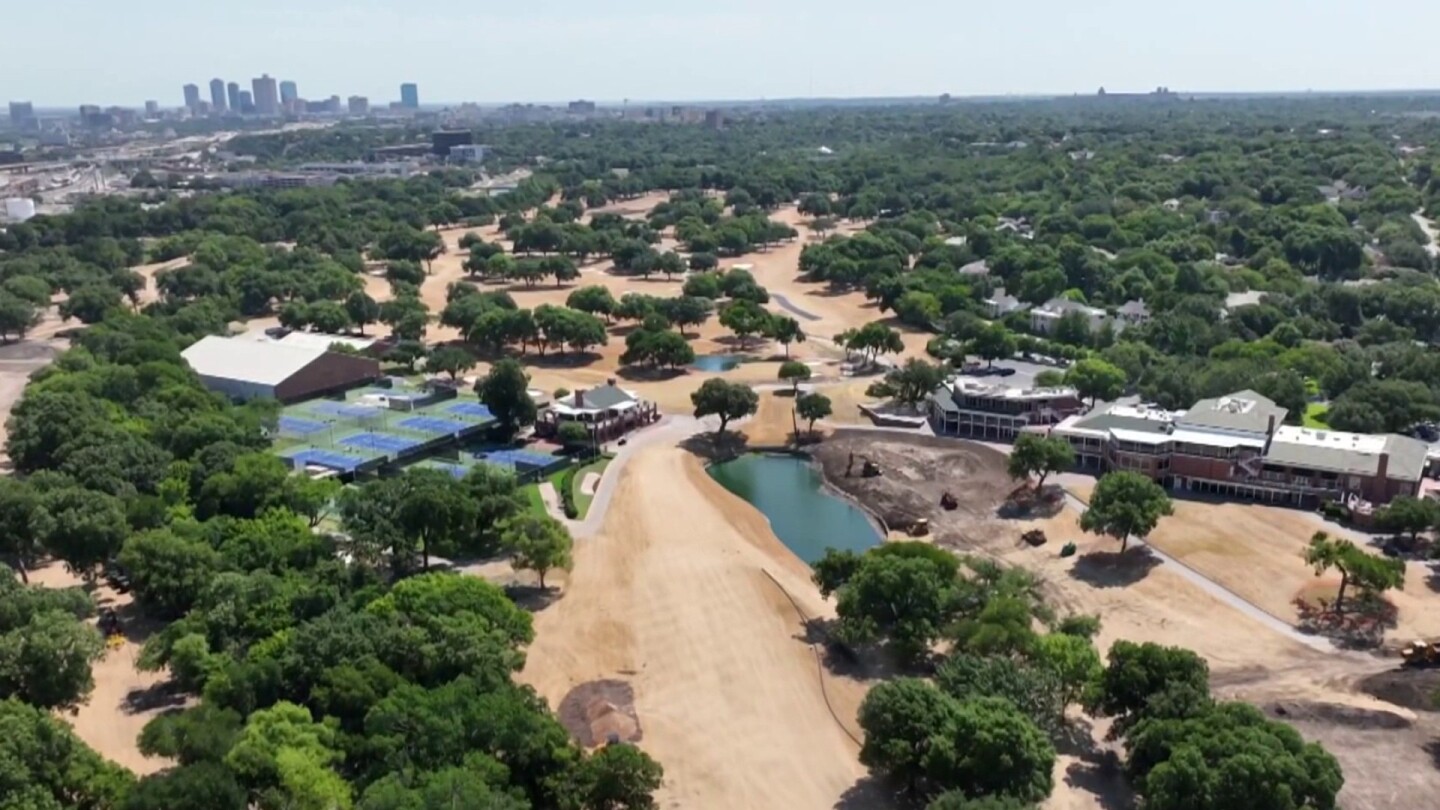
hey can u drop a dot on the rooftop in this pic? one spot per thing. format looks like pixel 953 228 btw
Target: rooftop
pixel 320 340
pixel 248 360
pixel 599 398
pixel 1060 306
pixel 1350 453
pixel 970 386
pixel 1243 411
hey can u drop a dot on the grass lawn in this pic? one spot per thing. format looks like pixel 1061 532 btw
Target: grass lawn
pixel 1315 416
pixel 582 501
pixel 532 492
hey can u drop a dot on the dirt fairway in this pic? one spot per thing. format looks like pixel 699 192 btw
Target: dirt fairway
pixel 675 597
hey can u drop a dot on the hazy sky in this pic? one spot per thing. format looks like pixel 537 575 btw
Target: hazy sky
pixel 64 52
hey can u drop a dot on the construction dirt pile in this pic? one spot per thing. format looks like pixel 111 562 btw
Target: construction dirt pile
pixel 601 712
pixel 915 473
pixel 1417 689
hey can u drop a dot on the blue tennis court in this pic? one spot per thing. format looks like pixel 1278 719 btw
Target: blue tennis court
pixel 324 458
pixel 383 442
pixel 341 409
pixel 472 409
pixel 302 427
pixel 518 458
pixel 431 424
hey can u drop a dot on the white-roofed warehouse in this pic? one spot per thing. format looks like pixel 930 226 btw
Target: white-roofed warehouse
pixel 249 369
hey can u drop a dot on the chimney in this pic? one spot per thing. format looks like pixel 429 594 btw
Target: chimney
pixel 1382 468
pixel 1270 428
pixel 579 397
pixel 610 381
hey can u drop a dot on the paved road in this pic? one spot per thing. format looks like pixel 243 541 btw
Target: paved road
pixel 784 303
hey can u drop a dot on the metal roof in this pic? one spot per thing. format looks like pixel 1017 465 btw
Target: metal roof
pixel 1348 453
pixel 599 398
pixel 248 360
pixel 942 399
pixel 1244 411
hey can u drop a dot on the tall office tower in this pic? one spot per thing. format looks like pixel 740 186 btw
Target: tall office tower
pixel 288 92
pixel 152 109
pixel 232 95
pixel 22 114
pixel 410 96
pixel 218 103
pixel 247 102
pixel 267 97
pixel 359 105
pixel 192 97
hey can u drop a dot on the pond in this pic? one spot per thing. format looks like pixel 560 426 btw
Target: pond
pixel 718 362
pixel 803 514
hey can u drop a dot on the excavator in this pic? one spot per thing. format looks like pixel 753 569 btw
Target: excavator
pixel 1421 654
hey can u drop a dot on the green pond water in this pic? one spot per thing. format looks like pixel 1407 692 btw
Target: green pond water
pixel 805 517
pixel 718 362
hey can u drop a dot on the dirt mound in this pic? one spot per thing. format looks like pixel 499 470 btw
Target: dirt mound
pixel 1412 688
pixel 599 712
pixel 1334 714
pixel 915 472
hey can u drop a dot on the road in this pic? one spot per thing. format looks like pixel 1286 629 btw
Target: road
pixel 1432 234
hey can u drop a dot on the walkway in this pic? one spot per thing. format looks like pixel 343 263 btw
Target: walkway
pixel 1220 592
pixel 1432 234
pixel 784 303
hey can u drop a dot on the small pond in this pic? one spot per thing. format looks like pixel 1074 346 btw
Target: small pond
pixel 718 362
pixel 806 517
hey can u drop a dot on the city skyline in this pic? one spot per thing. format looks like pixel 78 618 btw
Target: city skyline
pixel 840 48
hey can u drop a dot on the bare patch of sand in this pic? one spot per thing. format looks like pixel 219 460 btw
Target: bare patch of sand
pixel 687 613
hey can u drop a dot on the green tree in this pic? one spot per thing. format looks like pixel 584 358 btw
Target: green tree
pixel 990 748
pixel 362 309
pixel 407 353
pixel 1125 504
pixel 90 303
pixel 902 720
pixel 915 381
pixel 794 372
pixel 1229 756
pixel 1033 689
pixel 168 572
pixel 1372 574
pixel 82 527
pixel 1096 379
pixel 20 538
pixel 573 436
pixel 812 407
pixel 427 509
pixel 46 661
pixel 1137 674
pixel 727 400
pixel 1039 455
pixel 505 391
pixel 595 300
pixel 538 543
pixel 264 758
pixel 616 777
pixel 450 360
pixel 994 342
pixel 1073 660
pixel 744 318
pixel 206 784
pixel 703 285
pixel 1407 514
pixel 785 330
pixel 48 768
pixel 899 597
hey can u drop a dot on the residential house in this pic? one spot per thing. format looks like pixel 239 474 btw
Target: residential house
pixel 1249 298
pixel 987 410
pixel 978 269
pixel 1001 303
pixel 1132 313
pixel 1044 317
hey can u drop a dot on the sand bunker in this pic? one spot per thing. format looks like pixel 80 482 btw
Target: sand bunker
pixel 601 712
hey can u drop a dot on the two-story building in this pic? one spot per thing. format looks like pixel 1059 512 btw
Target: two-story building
pixel 988 410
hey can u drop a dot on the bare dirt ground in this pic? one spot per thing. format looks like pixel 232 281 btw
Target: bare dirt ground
pixel 1327 695
pixel 124 699
pixel 675 598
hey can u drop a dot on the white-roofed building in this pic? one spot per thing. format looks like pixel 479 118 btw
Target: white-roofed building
pixel 323 341
pixel 251 369
pixel 608 411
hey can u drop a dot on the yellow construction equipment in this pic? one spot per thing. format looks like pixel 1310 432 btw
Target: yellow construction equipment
pixel 1421 653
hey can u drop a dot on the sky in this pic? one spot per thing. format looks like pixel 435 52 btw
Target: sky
pixel 68 52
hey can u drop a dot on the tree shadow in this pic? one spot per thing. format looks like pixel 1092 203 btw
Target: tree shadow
pixel 870 793
pixel 1115 569
pixel 715 446
pixel 562 359
pixel 1102 778
pixel 1432 579
pixel 746 345
pixel 532 598
pixel 163 695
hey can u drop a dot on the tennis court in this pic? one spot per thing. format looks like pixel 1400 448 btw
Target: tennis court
pixel 314 457
pixel 519 459
pixel 383 442
pixel 300 427
pixel 471 409
pixel 431 424
pixel 341 409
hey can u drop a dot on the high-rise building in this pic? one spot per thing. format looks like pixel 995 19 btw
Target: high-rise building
pixel 581 107
pixel 266 97
pixel 152 109
pixel 22 115
pixel 288 92
pixel 359 105
pixel 247 102
pixel 218 101
pixel 410 96
pixel 232 95
pixel 192 97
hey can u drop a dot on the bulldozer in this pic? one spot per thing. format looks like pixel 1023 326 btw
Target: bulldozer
pixel 920 528
pixel 1421 653
pixel 948 502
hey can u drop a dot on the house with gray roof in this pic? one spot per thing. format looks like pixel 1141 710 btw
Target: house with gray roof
pixel 607 411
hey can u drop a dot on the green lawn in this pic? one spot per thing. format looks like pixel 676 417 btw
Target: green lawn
pixel 1315 416
pixel 582 501
pixel 532 491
